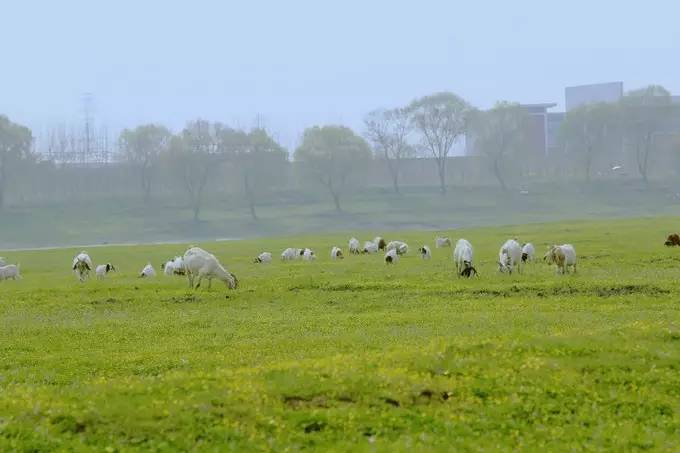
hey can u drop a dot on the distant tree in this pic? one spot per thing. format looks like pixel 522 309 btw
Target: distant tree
pixel 258 158
pixel 194 154
pixel 499 133
pixel 15 145
pixel 389 130
pixel 333 153
pixel 643 114
pixel 142 147
pixel 262 163
pixel 587 129
pixel 441 119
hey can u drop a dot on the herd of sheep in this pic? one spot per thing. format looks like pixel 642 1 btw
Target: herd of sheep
pixel 198 265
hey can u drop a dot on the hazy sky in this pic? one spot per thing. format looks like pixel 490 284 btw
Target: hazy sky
pixel 299 63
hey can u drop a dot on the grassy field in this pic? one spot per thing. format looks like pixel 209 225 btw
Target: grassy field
pixel 351 355
pixel 101 221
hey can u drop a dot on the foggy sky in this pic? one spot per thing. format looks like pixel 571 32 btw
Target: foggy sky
pixel 300 63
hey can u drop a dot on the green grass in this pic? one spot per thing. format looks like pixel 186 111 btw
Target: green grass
pixel 351 355
pixel 100 221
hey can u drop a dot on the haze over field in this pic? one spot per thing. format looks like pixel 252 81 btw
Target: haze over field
pixel 302 63
pixel 144 121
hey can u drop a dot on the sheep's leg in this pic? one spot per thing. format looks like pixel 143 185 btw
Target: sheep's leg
pixel 209 283
pixel 200 278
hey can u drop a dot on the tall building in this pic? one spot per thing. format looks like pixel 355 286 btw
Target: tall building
pixel 577 96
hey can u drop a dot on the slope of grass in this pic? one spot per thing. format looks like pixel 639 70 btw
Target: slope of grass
pixel 351 355
pixel 129 220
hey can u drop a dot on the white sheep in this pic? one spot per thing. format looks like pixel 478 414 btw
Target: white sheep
pixel 264 257
pixel 510 256
pixel 354 246
pixel 201 264
pixel 336 253
pixel 290 254
pixel 400 247
pixel 174 267
pixel 441 242
pixel 10 272
pixel 425 252
pixel 148 271
pixel 308 255
pixel 462 257
pixel 104 269
pixel 563 256
pixel 2 261
pixel 528 252
pixel 391 257
pixel 370 247
pixel 82 265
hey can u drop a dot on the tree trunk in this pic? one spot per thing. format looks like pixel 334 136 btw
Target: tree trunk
pixel 498 174
pixel 2 184
pixel 336 200
pixel 146 184
pixel 441 167
pixel 196 207
pixel 249 196
pixel 394 172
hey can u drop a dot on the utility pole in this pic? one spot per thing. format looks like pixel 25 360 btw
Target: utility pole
pixel 88 103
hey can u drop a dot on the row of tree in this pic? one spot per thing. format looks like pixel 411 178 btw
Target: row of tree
pixel 332 154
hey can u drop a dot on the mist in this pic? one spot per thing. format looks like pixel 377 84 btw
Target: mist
pixel 170 121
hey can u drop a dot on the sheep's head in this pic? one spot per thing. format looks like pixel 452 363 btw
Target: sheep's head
pixel 110 268
pixel 232 281
pixel 257 260
pixel 549 257
pixel 469 271
pixel 525 257
pixel 382 244
pixel 388 259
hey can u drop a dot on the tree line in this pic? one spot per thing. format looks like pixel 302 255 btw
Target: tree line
pixel 331 155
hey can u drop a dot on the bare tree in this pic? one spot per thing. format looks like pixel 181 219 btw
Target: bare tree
pixel 194 154
pixel 16 143
pixel 499 132
pixel 142 147
pixel 643 113
pixel 441 119
pixel 389 130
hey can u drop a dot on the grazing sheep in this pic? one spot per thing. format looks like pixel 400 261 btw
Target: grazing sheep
pixel 399 246
pixel 563 256
pixel 354 246
pixel 672 240
pixel 370 247
pixel 148 271
pixel 201 264
pixel 528 252
pixel 336 253
pixel 391 257
pixel 510 256
pixel 264 257
pixel 104 269
pixel 290 254
pixel 10 272
pixel 441 242
pixel 425 252
pixel 308 255
pixel 380 242
pixel 462 256
pixel 82 265
pixel 174 267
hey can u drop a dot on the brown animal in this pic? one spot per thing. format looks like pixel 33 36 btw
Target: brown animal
pixel 672 240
